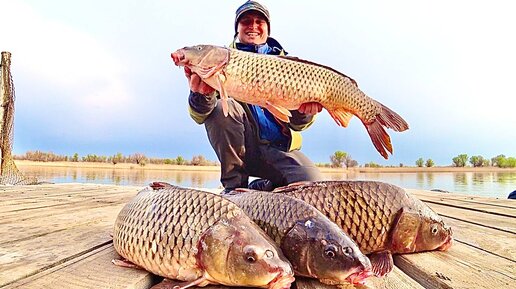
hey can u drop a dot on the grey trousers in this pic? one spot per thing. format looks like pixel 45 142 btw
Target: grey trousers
pixel 241 155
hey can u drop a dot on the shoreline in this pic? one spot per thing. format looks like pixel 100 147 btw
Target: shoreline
pixel 24 163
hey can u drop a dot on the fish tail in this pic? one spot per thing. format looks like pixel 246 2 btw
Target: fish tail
pixel 376 129
pixel 390 119
pixel 379 137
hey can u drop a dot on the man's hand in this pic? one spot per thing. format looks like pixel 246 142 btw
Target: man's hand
pixel 311 108
pixel 197 84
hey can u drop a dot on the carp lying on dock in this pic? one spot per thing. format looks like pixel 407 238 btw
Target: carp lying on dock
pixel 200 238
pixel 315 246
pixel 382 218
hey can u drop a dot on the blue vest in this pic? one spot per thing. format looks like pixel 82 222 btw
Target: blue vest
pixel 269 127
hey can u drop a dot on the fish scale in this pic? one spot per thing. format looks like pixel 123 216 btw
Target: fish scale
pixel 145 224
pixel 356 206
pixel 197 237
pixel 266 213
pixel 282 83
pixel 301 231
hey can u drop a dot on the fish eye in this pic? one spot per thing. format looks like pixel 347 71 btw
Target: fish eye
pixel 347 251
pixel 199 48
pixel 250 259
pixel 434 229
pixel 250 256
pixel 330 251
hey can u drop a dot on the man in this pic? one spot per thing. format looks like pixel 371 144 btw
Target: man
pixel 250 141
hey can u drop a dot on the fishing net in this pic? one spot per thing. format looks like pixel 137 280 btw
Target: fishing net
pixel 9 173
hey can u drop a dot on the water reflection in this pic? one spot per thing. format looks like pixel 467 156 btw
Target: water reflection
pixel 479 177
pixel 505 178
pixel 136 176
pixel 420 178
pixel 430 177
pixel 460 178
pixel 493 184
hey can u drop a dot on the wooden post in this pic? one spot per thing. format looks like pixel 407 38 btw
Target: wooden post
pixel 9 173
pixel 5 86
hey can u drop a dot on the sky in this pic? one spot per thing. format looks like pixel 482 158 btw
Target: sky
pixel 96 77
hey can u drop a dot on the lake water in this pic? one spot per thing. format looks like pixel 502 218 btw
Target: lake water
pixel 489 184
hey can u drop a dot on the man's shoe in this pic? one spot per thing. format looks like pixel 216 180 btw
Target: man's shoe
pixel 226 191
pixel 261 185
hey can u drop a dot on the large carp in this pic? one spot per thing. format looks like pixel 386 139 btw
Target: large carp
pixel 282 83
pixel 315 246
pixel 382 218
pixel 200 238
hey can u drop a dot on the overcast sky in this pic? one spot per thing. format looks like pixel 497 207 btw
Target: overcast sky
pixel 96 76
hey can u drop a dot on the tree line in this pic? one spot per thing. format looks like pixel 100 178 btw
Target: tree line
pixel 339 159
pixel 342 159
pixel 136 158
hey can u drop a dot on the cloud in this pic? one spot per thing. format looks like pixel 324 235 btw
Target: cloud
pixel 83 79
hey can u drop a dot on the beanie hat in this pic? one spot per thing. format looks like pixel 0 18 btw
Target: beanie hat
pixel 253 6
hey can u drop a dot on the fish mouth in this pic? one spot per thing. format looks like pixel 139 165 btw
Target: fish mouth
pixel 359 277
pixel 178 57
pixel 282 281
pixel 446 245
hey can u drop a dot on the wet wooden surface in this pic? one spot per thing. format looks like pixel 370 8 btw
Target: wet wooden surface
pixel 58 236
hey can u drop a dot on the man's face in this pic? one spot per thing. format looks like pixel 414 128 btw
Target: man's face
pixel 252 28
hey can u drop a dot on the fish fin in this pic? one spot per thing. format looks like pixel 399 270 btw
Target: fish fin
pixel 341 116
pixel 292 185
pixel 279 112
pixel 237 191
pixel 293 58
pixel 404 232
pixel 220 79
pixel 125 263
pixel 300 183
pixel 173 284
pixel 160 185
pixel 279 189
pixel 381 263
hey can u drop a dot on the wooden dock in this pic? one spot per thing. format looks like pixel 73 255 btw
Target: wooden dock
pixel 58 236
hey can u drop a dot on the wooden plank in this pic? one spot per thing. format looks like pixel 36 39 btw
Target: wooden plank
pixel 460 267
pixel 507 224
pixel 57 191
pixel 66 208
pixel 30 228
pixel 28 257
pixel 494 241
pixel 396 279
pixel 44 202
pixel 502 202
pixel 91 270
pixel 476 206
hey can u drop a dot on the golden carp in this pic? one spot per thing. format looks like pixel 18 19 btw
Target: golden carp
pixel 200 238
pixel 315 246
pixel 282 83
pixel 382 219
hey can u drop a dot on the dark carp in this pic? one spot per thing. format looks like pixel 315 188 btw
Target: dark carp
pixel 382 219
pixel 315 246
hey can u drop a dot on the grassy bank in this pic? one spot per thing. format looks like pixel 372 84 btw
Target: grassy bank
pixel 21 163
